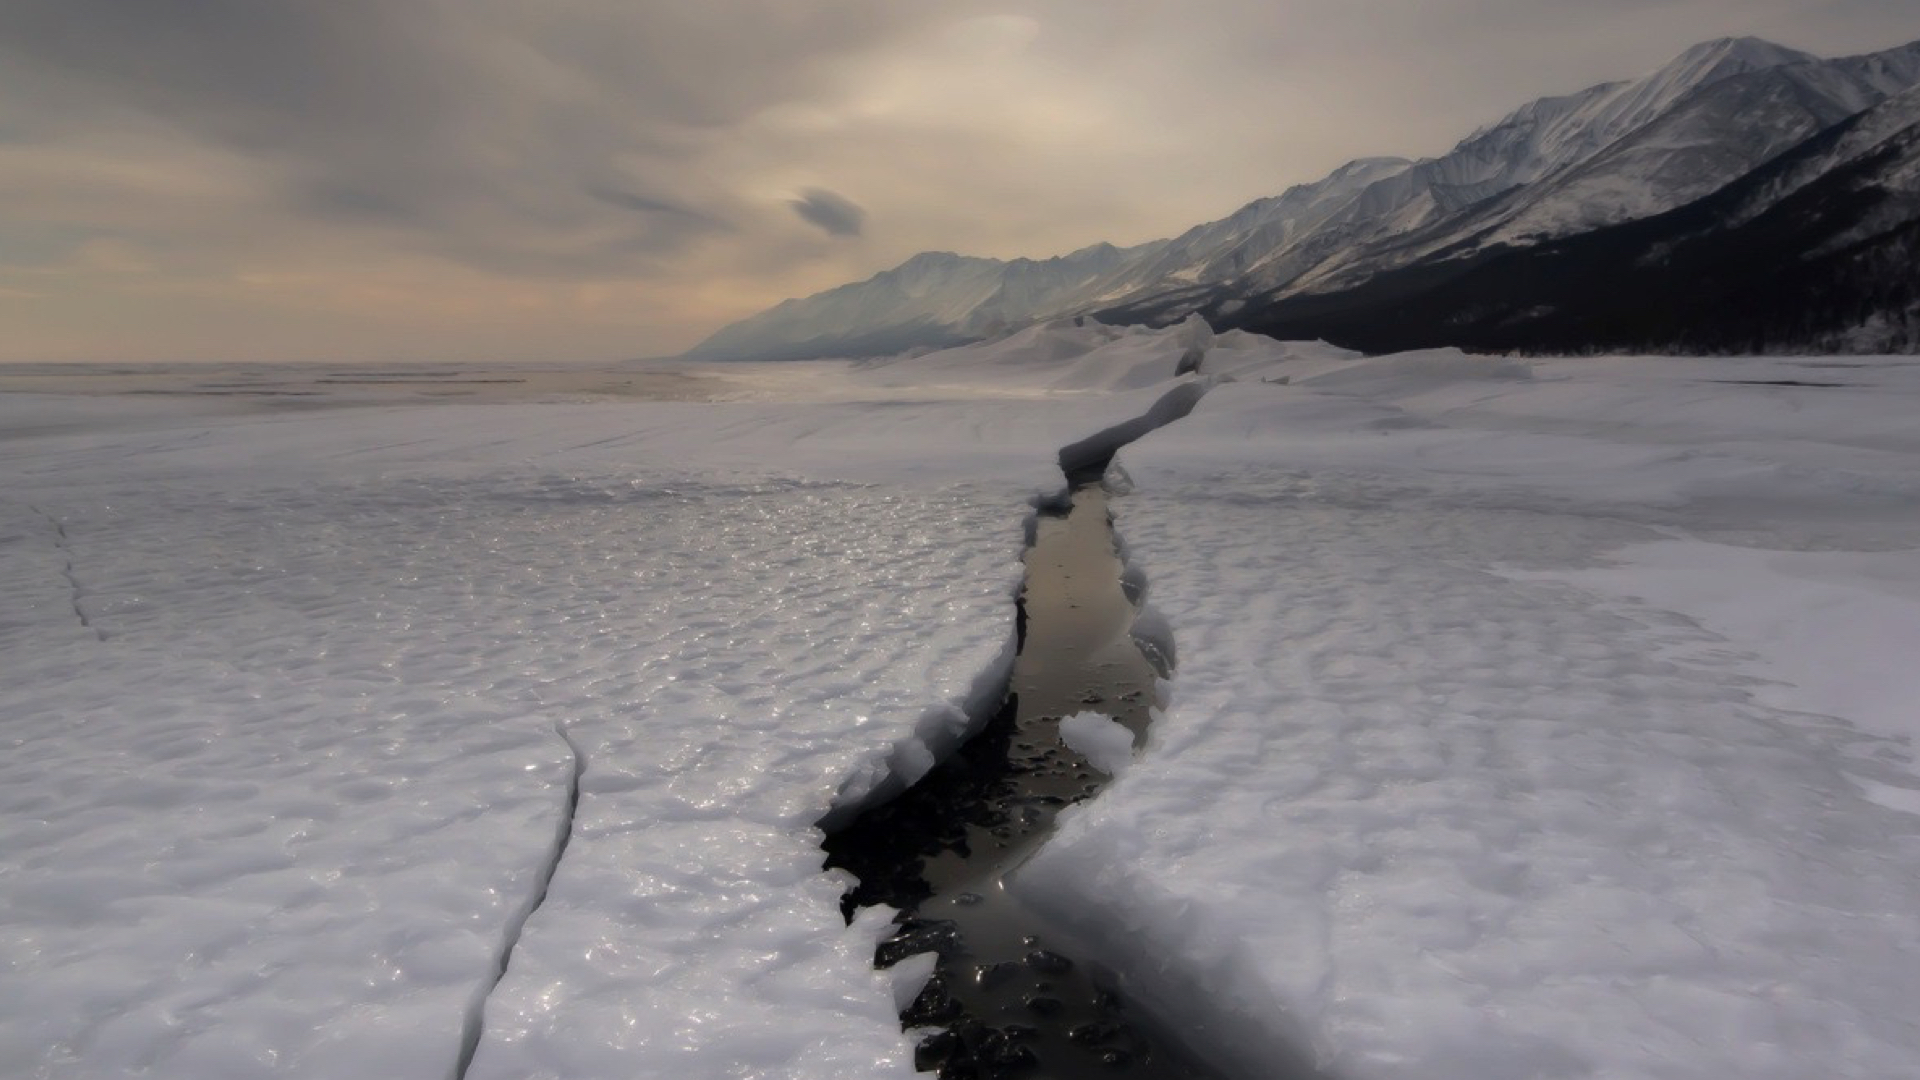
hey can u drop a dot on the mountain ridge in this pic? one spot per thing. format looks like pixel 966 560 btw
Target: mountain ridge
pixel 1814 250
pixel 1554 167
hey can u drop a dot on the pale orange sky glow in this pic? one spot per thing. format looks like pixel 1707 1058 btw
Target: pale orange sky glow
pixel 526 180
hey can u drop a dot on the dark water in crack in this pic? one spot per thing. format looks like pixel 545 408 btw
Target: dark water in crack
pixel 1007 998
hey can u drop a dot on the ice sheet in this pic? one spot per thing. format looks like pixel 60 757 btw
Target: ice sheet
pixel 1525 723
pixel 1828 633
pixel 292 700
pixel 1421 807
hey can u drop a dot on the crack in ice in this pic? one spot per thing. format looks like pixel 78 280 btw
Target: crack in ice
pixel 1003 995
pixel 474 1026
pixel 75 592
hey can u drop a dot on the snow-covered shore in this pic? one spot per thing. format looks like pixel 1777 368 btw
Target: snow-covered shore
pixel 1531 719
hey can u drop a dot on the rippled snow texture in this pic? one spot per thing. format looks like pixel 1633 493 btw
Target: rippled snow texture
pixel 278 821
pixel 1505 743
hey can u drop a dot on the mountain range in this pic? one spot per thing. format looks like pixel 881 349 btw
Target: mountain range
pixel 1746 196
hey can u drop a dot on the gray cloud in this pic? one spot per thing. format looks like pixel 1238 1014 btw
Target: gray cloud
pixel 835 214
pixel 647 204
pixel 502 134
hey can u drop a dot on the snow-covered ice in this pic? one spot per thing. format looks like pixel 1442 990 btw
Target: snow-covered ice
pixel 1531 719
pixel 1071 354
pixel 291 700
pixel 1103 741
pixel 1426 804
pixel 1827 633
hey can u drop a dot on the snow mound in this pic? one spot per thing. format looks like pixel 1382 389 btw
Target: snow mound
pixel 1239 355
pixel 1072 354
pixel 1430 367
pixel 1100 446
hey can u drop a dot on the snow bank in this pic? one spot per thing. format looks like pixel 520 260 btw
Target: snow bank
pixel 1434 367
pixel 1075 354
pixel 1238 354
pixel 1099 447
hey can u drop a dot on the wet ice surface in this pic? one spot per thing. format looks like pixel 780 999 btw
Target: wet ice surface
pixel 1537 719
pixel 314 768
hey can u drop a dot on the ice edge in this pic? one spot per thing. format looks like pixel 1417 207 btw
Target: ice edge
pixel 1260 1036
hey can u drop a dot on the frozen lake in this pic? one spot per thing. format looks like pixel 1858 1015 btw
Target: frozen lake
pixel 1530 719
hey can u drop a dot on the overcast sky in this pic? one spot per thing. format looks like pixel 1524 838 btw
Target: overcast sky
pixel 599 179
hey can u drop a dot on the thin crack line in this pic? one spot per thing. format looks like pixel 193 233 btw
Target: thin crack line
pixel 74 590
pixel 475 1024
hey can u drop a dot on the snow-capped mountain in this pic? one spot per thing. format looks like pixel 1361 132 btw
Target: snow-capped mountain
pixel 1554 168
pixel 1702 139
pixel 1552 135
pixel 1560 166
pixel 1814 251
